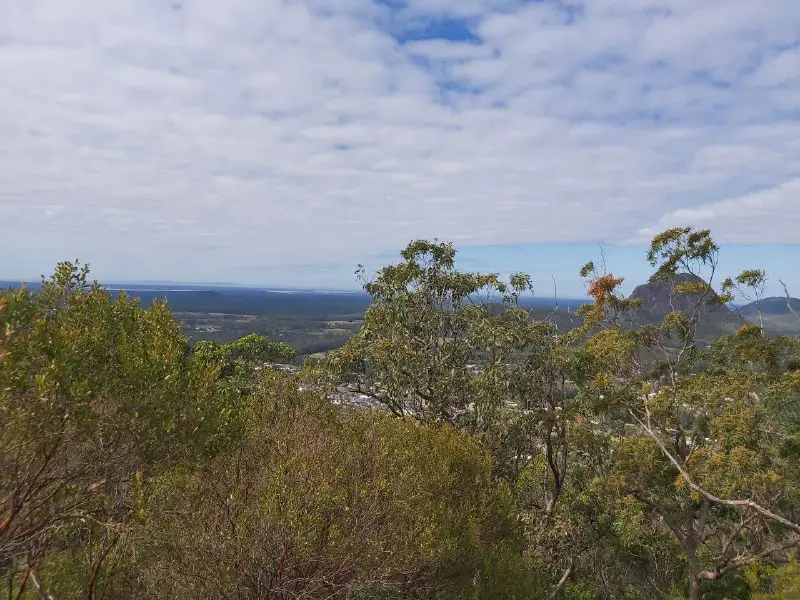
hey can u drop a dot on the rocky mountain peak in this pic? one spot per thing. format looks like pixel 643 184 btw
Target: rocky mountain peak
pixel 659 296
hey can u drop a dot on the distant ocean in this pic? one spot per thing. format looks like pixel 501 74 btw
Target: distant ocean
pixel 177 288
pixel 152 290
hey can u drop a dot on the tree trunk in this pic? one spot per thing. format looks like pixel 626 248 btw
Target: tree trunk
pixel 690 545
pixel 694 588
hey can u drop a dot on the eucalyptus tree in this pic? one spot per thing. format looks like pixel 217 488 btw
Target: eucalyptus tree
pixel 707 457
pixel 444 346
pixel 96 394
pixel 621 438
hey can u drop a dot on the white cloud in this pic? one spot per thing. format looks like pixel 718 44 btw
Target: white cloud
pixel 771 215
pixel 198 136
pixel 780 69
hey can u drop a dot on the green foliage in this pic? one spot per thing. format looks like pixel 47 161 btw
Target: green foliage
pixel 93 390
pixel 238 363
pixel 751 278
pixel 314 505
pixel 175 472
pixel 681 248
pixel 582 423
pixel 774 582
pixel 427 325
pixel 257 348
pixel 515 460
pixel 749 285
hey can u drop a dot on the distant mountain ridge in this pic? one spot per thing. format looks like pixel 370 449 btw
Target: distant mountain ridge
pixel 659 297
pixel 716 319
pixel 774 306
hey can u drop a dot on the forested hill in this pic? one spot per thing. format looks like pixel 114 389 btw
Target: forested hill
pixel 258 302
pixel 306 309
pixel 775 306
pixel 241 301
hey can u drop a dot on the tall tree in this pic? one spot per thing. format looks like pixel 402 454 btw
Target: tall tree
pixel 707 458
pixel 93 391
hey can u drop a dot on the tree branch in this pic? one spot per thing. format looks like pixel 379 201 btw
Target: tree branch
pixel 708 495
pixel 789 300
pixel 562 581
pixel 746 560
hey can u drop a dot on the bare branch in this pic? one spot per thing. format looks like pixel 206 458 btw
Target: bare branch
pixel 747 560
pixel 562 581
pixel 789 300
pixel 708 495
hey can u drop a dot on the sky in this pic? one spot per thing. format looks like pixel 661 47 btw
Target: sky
pixel 279 142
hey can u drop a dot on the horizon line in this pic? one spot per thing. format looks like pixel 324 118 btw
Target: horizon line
pixel 211 286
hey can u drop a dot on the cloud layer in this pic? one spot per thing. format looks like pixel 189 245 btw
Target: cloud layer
pixel 193 135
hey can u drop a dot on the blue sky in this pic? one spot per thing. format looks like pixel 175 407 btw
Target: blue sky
pixel 546 263
pixel 280 143
pixel 561 262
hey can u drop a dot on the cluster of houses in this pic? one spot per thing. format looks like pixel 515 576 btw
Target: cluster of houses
pixel 341 394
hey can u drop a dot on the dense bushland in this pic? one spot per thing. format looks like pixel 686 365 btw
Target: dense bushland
pixel 615 460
